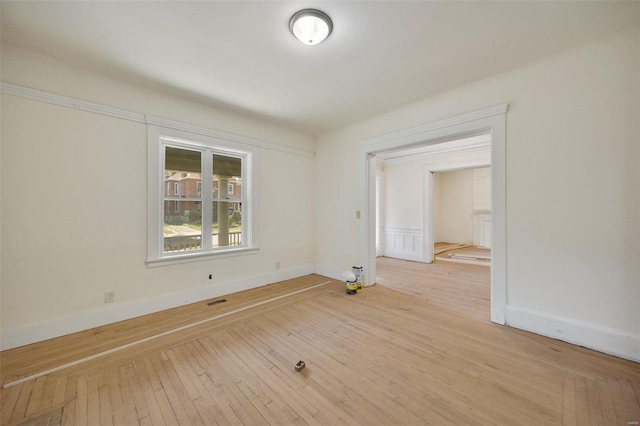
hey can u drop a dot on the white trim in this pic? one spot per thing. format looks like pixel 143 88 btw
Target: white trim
pixel 176 125
pixel 444 156
pixel 200 256
pixel 403 243
pixel 601 339
pixel 499 218
pixel 32 333
pixel 489 120
pixel 481 219
pixel 413 257
pixel 65 101
pixel 380 200
pixel 158 137
pixel 68 102
pixel 444 150
pixel 415 134
pixel 367 232
pixel 410 231
pixel 428 233
pixel 477 159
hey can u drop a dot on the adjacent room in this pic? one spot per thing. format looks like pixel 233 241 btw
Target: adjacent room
pixel 463 222
pixel 249 212
pixel 433 205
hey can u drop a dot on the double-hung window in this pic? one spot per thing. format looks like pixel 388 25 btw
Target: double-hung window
pixel 201 193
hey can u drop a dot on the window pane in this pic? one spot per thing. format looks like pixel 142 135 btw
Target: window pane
pixel 182 226
pixel 227 178
pixel 181 173
pixel 234 191
pixel 233 188
pixel 179 159
pixel 227 224
pixel 227 166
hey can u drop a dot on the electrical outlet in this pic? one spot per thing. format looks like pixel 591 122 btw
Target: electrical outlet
pixel 109 296
pixel 357 214
pixel 277 265
pixel 210 276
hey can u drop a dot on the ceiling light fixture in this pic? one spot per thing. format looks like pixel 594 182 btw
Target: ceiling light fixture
pixel 310 26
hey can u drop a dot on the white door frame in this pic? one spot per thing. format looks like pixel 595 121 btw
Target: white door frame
pixel 490 120
pixel 380 241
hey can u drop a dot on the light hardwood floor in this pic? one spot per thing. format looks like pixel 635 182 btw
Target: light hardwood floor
pixel 469 255
pixel 458 287
pixel 379 357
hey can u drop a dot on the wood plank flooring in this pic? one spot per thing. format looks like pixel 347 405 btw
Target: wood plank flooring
pixel 462 253
pixel 458 287
pixel 379 357
pixel 27 360
pixel 441 247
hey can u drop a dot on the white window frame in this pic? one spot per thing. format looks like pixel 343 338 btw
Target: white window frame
pixel 160 137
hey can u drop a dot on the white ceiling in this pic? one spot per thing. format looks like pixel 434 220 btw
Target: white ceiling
pixel 241 56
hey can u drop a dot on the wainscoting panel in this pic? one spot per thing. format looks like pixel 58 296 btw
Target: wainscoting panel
pixel 482 228
pixel 403 243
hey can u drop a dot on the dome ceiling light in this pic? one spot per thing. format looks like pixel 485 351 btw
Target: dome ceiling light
pixel 310 26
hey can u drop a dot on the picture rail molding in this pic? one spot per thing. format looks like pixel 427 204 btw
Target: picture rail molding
pixel 68 102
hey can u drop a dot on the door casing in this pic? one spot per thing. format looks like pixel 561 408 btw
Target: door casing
pixel 489 120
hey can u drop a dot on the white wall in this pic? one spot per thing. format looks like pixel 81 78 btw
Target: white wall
pixel 573 204
pixel 74 205
pixel 482 217
pixel 572 169
pixel 461 194
pixel 403 212
pixel 403 195
pixel 482 189
pixel 455 207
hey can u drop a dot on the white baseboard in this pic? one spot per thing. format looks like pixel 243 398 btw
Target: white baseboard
pixel 601 339
pixel 331 272
pixel 412 256
pixel 32 333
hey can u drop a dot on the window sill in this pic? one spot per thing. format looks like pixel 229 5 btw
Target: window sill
pixel 199 257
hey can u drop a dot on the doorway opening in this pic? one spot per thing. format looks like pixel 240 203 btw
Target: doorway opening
pixel 433 206
pixel 462 216
pixel 490 121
